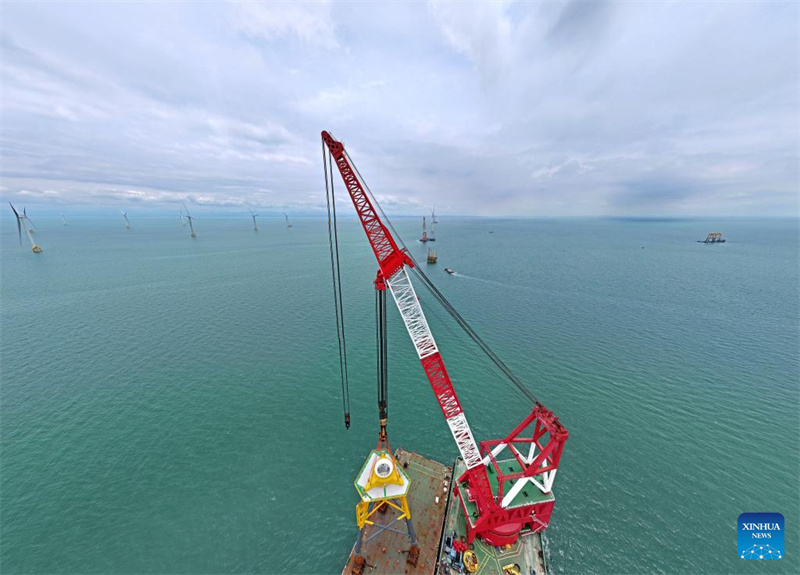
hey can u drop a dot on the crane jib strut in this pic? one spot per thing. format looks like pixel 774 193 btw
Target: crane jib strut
pixel 498 519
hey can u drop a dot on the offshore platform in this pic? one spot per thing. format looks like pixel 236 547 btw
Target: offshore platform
pixel 424 237
pixel 486 512
pixel 713 238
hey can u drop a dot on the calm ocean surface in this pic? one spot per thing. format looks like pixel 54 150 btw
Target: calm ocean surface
pixel 172 405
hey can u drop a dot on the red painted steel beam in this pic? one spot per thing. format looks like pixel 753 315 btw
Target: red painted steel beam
pixel 390 257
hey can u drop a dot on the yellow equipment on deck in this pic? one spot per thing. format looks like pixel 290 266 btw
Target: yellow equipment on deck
pixel 471 561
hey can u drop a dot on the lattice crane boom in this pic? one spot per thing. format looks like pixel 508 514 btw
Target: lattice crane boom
pixel 393 274
pixel 500 513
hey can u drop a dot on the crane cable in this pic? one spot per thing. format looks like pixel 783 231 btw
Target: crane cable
pixel 472 334
pixel 333 243
pixel 439 296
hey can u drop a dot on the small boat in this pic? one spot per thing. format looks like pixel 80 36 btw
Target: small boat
pixel 449 270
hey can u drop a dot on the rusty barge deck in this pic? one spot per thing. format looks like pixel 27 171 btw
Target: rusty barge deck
pixel 427 498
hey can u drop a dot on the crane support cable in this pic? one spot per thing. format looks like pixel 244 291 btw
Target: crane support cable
pixel 381 341
pixel 439 296
pixel 333 243
pixel 473 335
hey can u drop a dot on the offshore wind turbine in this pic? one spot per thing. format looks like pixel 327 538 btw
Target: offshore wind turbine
pixel 24 222
pixel 127 222
pixel 190 219
pixel 253 214
pixel 31 227
pixel 63 219
pixel 285 215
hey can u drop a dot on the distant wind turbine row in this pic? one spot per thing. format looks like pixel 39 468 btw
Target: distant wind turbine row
pixel 25 224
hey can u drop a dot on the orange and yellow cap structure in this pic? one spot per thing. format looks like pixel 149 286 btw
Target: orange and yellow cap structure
pixel 380 482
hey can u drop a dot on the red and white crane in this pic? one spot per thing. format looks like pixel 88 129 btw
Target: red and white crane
pixel 491 490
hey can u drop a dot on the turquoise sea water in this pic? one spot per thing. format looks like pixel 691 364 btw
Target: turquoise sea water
pixel 172 405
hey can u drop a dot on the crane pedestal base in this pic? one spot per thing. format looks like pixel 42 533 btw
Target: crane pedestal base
pixel 525 554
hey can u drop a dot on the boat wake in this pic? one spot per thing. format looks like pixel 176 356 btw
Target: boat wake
pixel 483 280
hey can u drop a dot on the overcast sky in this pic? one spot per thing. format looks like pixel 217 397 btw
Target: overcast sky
pixel 507 108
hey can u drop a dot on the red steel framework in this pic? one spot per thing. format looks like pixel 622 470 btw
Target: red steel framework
pixel 498 522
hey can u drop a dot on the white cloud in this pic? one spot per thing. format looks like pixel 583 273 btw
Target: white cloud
pixel 482 31
pixel 487 108
pixel 336 99
pixel 311 22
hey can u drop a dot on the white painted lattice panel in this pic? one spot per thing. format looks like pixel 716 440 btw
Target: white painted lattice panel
pixel 466 443
pixel 406 299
